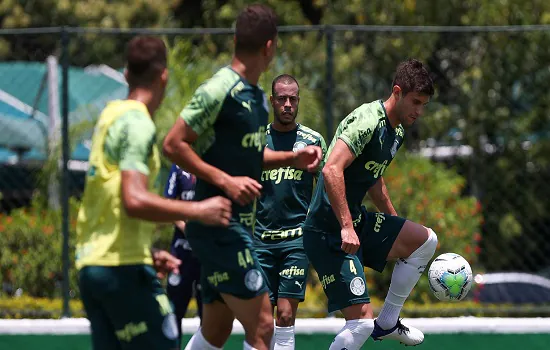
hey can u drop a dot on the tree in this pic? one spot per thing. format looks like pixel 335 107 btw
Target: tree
pixel 85 49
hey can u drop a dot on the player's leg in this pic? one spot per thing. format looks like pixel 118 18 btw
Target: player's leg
pixel 413 245
pixel 217 318
pixel 283 336
pixel 138 308
pixel 267 258
pixel 180 286
pixel 103 332
pixel 293 270
pixel 216 326
pixel 197 286
pixel 343 281
pixel 256 317
pixel 231 269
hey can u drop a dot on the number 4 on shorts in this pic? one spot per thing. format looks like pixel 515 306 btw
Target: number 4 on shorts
pixel 245 259
pixel 352 267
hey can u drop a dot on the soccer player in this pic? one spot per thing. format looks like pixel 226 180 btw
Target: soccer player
pixel 185 284
pixel 340 237
pixel 282 209
pixel 122 296
pixel 220 138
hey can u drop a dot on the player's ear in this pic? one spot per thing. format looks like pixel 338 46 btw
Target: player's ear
pixel 271 99
pixel 164 76
pixel 397 92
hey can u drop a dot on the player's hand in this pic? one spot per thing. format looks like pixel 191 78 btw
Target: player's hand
pixel 350 241
pixel 242 189
pixel 164 262
pixel 215 211
pixel 308 158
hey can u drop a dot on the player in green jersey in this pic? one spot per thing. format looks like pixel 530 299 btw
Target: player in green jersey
pixel 122 296
pixel 282 209
pixel 220 138
pixel 340 237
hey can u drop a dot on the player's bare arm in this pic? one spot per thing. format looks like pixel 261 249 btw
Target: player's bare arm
pixel 340 158
pixel 307 158
pixel 142 204
pixel 177 147
pixel 379 195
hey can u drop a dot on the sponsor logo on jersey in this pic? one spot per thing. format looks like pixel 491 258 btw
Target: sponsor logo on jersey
pixel 379 220
pixel 247 219
pixel 376 168
pixel 255 139
pixel 306 136
pixel 280 174
pixel 293 271
pixel 217 278
pixel 326 280
pixel 277 235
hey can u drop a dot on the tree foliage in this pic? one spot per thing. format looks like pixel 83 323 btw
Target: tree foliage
pixel 491 86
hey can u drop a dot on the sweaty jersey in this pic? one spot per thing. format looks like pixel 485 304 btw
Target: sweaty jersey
pixel 286 192
pixel 370 137
pixel 124 139
pixel 229 116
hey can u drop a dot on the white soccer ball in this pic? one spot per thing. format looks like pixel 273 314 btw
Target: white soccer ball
pixel 450 277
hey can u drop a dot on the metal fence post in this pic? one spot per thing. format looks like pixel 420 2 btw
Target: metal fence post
pixel 65 171
pixel 329 84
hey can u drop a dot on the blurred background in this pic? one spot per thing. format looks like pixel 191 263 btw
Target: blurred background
pixel 475 167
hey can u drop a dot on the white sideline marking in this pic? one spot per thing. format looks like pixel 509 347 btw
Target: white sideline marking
pixel 308 325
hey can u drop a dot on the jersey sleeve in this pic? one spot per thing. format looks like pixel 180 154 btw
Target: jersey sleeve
pixel 321 143
pixel 171 188
pixel 131 140
pixel 357 128
pixel 202 111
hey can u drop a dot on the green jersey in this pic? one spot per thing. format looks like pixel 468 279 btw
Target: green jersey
pixel 373 141
pixel 286 192
pixel 124 139
pixel 229 116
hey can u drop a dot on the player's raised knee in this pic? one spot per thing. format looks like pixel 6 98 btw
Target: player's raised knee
pixel 431 242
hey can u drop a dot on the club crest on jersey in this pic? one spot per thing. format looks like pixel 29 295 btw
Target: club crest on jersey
pixel 393 149
pixel 298 146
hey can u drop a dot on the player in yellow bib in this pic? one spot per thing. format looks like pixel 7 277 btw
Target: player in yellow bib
pixel 122 295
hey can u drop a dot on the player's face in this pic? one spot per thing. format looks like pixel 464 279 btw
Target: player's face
pixel 411 106
pixel 285 103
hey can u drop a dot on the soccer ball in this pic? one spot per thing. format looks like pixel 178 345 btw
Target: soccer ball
pixel 450 277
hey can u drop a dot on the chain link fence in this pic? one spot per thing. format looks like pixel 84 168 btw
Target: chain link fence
pixel 475 169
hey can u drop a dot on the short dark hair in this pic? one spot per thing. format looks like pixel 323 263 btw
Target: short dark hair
pixel 412 76
pixel 256 25
pixel 286 79
pixel 145 60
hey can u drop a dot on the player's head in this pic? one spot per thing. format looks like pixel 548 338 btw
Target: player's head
pixel 146 65
pixel 412 89
pixel 285 97
pixel 256 33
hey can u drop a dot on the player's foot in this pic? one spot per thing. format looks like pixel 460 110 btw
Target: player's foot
pixel 409 336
